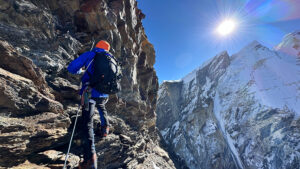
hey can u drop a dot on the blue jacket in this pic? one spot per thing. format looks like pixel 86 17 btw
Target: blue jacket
pixel 84 60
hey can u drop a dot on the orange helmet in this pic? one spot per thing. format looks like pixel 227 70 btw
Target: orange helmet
pixel 103 45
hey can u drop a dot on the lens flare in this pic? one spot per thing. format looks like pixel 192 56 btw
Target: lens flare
pixel 226 27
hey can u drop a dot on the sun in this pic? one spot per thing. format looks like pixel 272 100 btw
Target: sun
pixel 226 27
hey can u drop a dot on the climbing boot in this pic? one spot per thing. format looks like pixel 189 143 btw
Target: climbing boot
pixel 90 164
pixel 104 131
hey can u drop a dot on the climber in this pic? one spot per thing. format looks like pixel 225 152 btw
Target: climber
pixel 92 98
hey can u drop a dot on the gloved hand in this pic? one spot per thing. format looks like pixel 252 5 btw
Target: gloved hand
pixel 80 71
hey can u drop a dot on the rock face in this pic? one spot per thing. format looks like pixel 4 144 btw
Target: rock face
pixel 239 111
pixel 38 100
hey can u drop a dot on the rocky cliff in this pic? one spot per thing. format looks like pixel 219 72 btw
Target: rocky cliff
pixel 239 111
pixel 38 100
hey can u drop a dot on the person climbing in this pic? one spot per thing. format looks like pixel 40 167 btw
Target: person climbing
pixel 92 97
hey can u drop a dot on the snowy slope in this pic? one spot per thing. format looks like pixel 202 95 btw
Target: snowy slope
pixel 241 111
pixel 272 79
pixel 290 44
pixel 257 82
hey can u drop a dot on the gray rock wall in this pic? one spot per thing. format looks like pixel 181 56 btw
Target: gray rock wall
pixel 38 101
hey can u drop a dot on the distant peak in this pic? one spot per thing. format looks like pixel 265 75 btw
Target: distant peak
pixel 254 45
pixel 221 59
pixel 221 56
pixel 296 32
pixel 290 44
pixel 223 53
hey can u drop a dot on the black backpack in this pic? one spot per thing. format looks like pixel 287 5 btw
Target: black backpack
pixel 107 73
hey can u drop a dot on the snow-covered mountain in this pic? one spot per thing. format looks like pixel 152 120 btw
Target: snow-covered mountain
pixel 239 111
pixel 290 44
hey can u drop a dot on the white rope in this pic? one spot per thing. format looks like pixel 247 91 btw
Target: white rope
pixel 70 143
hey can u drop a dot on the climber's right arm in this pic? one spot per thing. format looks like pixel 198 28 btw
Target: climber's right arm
pixel 75 65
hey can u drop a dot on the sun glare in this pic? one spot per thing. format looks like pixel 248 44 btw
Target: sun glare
pixel 226 27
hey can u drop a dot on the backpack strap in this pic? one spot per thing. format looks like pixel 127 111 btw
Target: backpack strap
pixel 86 70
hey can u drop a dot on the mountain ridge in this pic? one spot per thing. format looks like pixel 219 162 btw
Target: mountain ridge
pixel 232 111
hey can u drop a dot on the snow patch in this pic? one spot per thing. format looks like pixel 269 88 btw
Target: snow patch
pixel 161 92
pixel 154 165
pixel 176 139
pixel 172 81
pixel 210 127
pixel 191 106
pixel 175 127
pixel 206 87
pixel 164 132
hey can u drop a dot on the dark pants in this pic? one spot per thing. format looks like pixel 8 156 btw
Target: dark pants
pixel 88 128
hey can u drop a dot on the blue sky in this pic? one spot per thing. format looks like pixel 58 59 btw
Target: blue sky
pixel 183 31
